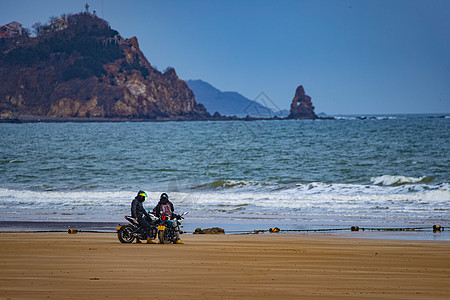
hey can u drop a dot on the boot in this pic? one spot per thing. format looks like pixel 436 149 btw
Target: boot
pixel 179 241
pixel 149 241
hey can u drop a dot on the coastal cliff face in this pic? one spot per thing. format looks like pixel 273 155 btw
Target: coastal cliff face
pixel 301 106
pixel 87 70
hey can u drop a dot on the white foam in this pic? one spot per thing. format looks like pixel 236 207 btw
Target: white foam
pixel 345 118
pixel 395 180
pixel 315 194
pixel 78 198
pixel 314 200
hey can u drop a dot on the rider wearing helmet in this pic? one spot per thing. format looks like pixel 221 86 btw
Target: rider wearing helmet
pixel 139 214
pixel 160 207
pixel 165 207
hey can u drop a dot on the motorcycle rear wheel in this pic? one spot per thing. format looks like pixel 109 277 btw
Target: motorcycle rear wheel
pixel 125 234
pixel 163 236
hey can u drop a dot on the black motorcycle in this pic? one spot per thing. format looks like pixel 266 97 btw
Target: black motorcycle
pixel 169 227
pixel 127 233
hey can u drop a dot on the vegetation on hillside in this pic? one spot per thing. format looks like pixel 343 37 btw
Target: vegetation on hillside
pixel 88 41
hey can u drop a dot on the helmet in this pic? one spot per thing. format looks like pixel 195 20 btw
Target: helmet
pixel 142 193
pixel 164 196
pixel 141 196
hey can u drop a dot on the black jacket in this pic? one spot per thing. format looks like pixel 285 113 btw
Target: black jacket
pixel 157 209
pixel 137 209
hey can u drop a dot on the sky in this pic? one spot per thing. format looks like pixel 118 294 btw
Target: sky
pixel 351 56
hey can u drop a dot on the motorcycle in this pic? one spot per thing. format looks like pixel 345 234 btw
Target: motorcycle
pixel 129 232
pixel 169 228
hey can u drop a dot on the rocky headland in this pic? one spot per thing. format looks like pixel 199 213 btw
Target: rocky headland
pixel 86 70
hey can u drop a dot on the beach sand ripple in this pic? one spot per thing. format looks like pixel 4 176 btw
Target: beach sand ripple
pixel 273 266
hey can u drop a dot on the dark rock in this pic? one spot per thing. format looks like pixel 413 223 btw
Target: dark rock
pixel 214 230
pixel 302 107
pixel 217 115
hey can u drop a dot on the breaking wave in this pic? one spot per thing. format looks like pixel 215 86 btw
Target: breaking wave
pixel 390 180
pixel 306 202
pixel 227 184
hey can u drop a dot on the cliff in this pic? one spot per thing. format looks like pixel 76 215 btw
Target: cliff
pixel 81 68
pixel 301 106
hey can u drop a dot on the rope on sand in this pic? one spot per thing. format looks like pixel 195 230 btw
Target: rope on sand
pixel 435 229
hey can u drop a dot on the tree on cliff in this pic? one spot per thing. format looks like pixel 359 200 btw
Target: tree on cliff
pixel 38 29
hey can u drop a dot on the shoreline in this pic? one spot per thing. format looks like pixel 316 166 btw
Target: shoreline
pixel 397 233
pixel 23 120
pixel 289 266
pixel 46 119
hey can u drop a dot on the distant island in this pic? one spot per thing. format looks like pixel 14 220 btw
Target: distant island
pixel 230 103
pixel 78 68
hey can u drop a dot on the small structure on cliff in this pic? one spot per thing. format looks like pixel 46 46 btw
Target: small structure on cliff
pixel 11 30
pixel 301 106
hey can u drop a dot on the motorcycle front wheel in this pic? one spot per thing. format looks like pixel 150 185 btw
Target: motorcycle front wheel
pixel 125 234
pixel 163 236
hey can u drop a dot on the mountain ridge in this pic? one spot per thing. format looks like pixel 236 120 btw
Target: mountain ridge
pixel 227 103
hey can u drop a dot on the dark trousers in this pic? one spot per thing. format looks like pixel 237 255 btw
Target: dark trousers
pixel 145 224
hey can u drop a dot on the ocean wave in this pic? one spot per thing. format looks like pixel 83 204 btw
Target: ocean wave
pixel 315 193
pixel 366 117
pixel 244 199
pixel 229 184
pixel 385 184
pixel 392 180
pixel 64 198
pixel 345 118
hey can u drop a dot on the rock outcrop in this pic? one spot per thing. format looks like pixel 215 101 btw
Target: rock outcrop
pixel 214 230
pixel 87 70
pixel 301 106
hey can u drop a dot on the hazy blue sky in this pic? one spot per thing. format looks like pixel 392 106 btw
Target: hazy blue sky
pixel 362 56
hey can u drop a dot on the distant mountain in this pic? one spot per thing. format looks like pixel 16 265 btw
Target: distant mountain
pixel 227 103
pixel 282 113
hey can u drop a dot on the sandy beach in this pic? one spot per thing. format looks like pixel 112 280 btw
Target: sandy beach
pixel 273 266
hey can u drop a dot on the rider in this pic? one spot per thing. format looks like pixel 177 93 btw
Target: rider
pixel 165 207
pixel 139 214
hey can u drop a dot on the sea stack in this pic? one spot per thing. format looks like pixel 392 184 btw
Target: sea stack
pixel 301 106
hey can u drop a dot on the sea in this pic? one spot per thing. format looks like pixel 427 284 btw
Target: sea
pixel 380 173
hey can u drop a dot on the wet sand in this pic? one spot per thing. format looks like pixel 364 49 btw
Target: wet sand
pixel 57 265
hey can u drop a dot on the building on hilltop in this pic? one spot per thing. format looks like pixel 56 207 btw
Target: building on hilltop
pixel 59 24
pixel 11 30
